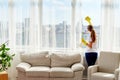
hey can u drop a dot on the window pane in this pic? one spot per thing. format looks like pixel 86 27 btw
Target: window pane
pixel 117 25
pixel 4 21
pixel 78 22
pixel 22 21
pixel 56 23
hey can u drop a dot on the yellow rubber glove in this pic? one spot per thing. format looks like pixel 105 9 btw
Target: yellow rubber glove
pixel 83 41
pixel 88 19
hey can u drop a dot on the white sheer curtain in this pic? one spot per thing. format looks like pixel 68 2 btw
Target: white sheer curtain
pixel 110 28
pixel 58 24
pixel 43 24
pixel 3 21
pixel 38 24
pixel 24 24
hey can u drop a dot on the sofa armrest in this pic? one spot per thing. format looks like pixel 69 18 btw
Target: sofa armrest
pixel 23 66
pixel 91 70
pixel 77 67
pixel 117 73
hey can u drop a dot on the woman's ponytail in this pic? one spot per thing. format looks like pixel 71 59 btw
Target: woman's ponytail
pixel 93 36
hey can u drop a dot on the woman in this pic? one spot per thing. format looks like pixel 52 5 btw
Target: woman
pixel 91 54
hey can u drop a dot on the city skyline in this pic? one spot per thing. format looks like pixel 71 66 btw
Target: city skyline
pixel 62 32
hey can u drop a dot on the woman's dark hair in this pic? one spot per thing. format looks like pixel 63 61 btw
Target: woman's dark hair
pixel 93 34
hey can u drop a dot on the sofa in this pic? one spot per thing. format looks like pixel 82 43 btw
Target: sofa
pixel 107 67
pixel 50 66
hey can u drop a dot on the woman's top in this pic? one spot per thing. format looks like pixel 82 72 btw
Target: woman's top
pixel 94 46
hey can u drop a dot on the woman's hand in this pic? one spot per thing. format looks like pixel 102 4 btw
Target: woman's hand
pixel 90 44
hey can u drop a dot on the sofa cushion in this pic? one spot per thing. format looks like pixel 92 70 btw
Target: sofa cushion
pixel 36 59
pixel 61 72
pixel 108 62
pixel 64 60
pixel 39 71
pixel 102 76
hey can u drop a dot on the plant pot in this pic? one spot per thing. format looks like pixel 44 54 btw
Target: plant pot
pixel 3 75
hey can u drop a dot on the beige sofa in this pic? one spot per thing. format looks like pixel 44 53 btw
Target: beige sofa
pixel 107 67
pixel 45 66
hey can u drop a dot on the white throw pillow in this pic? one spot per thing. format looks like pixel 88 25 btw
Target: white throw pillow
pixel 36 59
pixel 64 60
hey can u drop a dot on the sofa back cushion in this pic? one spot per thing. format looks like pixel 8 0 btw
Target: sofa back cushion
pixel 108 62
pixel 36 59
pixel 64 60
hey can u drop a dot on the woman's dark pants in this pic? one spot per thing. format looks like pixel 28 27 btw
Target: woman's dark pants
pixel 91 58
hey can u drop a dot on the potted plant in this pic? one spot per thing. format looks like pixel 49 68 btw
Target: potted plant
pixel 5 57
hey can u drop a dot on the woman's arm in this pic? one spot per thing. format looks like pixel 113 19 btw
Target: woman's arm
pixel 90 44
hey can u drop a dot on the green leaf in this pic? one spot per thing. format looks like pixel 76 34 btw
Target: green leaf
pixel 5 57
pixel 1 49
pixel 7 49
pixel 9 64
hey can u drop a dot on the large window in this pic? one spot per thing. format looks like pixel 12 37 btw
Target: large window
pixel 58 24
pixel 47 24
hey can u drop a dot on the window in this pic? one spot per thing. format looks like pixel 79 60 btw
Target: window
pixel 47 24
pixel 78 22
pixel 116 25
pixel 56 23
pixel 4 21
pixel 21 21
